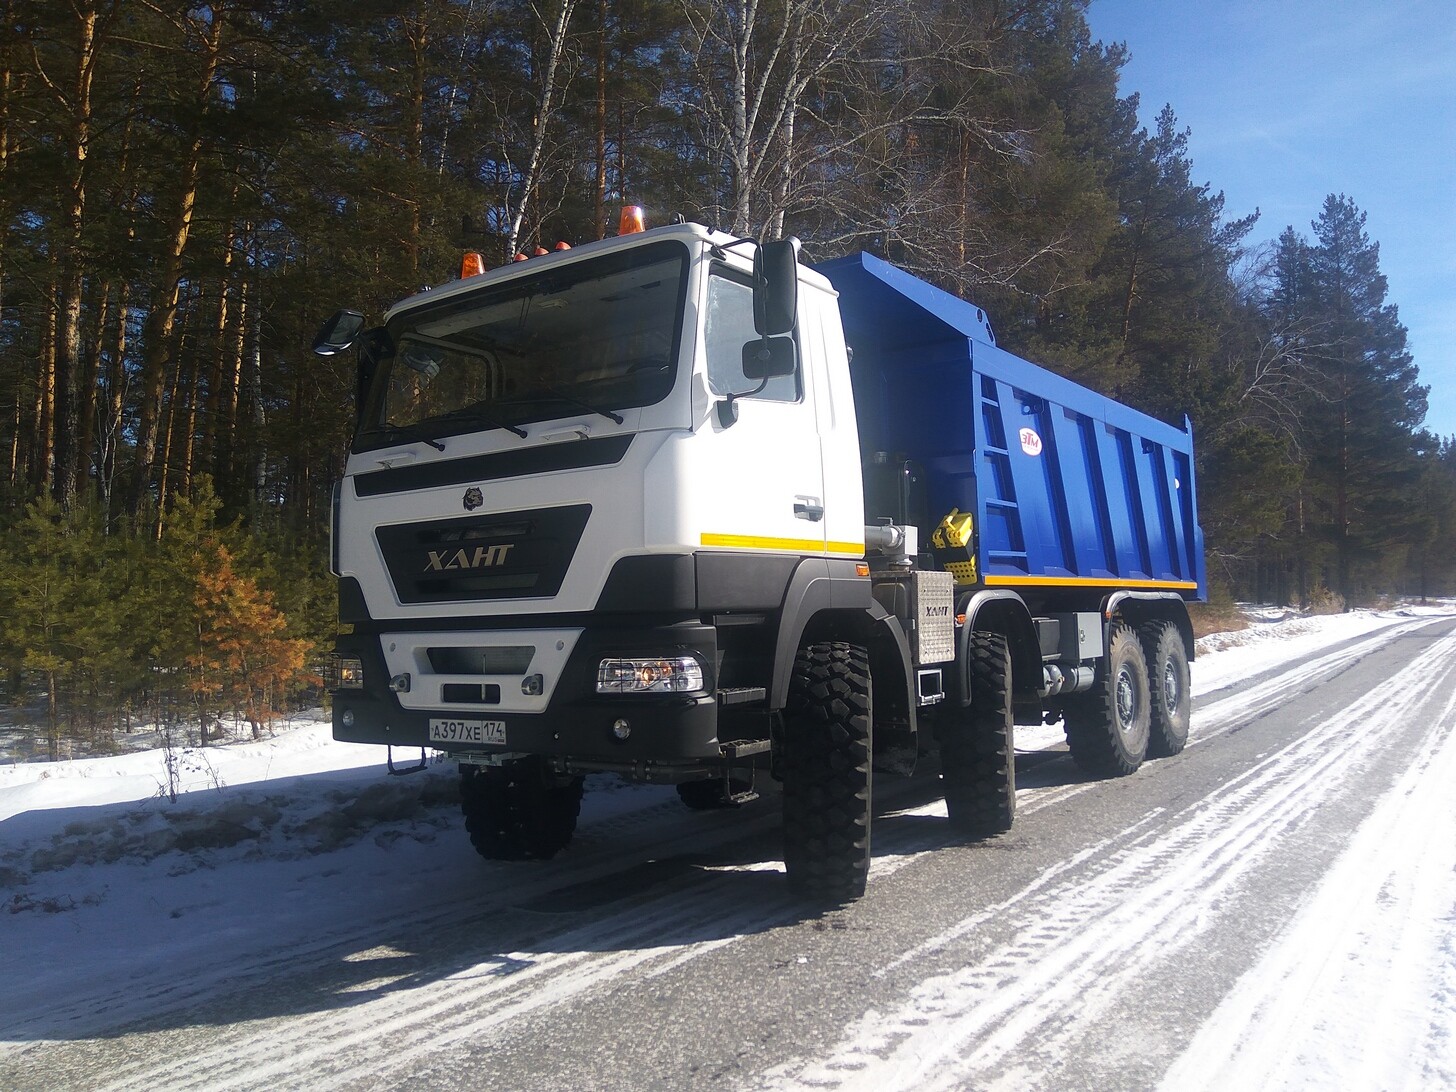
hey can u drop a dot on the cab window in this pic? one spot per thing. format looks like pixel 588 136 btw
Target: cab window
pixel 727 328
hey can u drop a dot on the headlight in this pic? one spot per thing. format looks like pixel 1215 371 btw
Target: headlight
pixel 343 673
pixel 667 675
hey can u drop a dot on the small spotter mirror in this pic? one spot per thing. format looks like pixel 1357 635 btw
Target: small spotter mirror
pixel 340 332
pixel 768 358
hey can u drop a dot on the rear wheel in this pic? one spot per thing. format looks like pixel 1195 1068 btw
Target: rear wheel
pixel 1108 727
pixel 977 750
pixel 1168 683
pixel 826 773
pixel 519 811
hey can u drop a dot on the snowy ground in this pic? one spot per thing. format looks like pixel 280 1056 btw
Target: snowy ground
pixel 101 873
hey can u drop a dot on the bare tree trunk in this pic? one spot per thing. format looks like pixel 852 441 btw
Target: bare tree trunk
pixel 556 48
pixel 600 196
pixel 260 416
pixel 76 100
pixel 45 400
pixel 172 409
pixel 116 382
pixel 90 376
pixel 158 345
pixel 223 461
pixel 209 403
pixel 7 80
pixel 14 476
pixel 417 32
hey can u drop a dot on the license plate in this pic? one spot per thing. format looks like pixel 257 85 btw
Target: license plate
pixel 467 731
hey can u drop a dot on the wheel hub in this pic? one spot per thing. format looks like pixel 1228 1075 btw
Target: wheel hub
pixel 1171 695
pixel 1126 700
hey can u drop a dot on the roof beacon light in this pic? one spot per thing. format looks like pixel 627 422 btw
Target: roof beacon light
pixel 471 265
pixel 633 220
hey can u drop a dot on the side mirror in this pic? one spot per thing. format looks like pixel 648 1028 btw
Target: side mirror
pixel 339 333
pixel 768 358
pixel 776 287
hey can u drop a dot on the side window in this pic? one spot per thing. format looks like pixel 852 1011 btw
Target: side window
pixel 728 327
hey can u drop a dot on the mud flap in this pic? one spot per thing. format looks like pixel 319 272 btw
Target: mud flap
pixel 400 771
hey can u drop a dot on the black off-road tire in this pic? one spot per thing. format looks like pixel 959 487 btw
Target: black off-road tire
pixel 977 745
pixel 1168 683
pixel 826 773
pixel 710 794
pixel 519 811
pixel 1108 727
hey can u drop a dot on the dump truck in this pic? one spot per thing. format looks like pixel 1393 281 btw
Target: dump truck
pixel 677 507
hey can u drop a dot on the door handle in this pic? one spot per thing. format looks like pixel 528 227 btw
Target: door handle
pixel 809 508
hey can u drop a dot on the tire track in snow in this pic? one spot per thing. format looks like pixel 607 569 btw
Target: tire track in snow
pixel 1380 934
pixel 1210 720
pixel 603 848
pixel 1081 942
pixel 338 1048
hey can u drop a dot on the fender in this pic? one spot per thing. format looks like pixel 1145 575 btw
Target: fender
pixel 1004 612
pixel 1143 606
pixel 828 595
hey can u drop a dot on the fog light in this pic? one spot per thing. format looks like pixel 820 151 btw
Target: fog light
pixel 533 685
pixel 343 673
pixel 665 675
pixel 621 729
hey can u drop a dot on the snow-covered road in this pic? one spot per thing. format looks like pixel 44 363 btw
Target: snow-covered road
pixel 1274 908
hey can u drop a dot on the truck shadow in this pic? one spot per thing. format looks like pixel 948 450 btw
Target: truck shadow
pixel 664 881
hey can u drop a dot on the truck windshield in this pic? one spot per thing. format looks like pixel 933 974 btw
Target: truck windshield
pixel 594 336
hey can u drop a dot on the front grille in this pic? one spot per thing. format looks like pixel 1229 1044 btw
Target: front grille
pixel 511 555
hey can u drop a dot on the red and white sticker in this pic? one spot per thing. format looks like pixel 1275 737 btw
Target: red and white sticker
pixel 1030 441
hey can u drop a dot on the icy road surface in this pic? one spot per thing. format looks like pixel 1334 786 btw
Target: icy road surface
pixel 1274 908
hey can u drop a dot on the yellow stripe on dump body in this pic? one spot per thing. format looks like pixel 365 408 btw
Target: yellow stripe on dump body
pixel 797 545
pixel 1087 582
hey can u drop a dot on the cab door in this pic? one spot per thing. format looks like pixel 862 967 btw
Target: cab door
pixel 767 485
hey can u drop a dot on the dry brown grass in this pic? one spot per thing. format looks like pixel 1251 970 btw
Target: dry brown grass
pixel 1215 618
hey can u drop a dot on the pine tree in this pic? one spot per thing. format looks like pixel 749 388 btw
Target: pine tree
pixel 1361 429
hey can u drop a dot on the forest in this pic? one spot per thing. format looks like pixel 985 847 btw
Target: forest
pixel 188 188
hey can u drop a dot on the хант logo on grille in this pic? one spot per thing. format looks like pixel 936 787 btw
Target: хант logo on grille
pixel 482 557
pixel 473 499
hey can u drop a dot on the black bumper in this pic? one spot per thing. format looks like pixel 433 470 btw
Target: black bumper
pixel 576 724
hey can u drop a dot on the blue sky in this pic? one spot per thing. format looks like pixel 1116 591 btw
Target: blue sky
pixel 1290 100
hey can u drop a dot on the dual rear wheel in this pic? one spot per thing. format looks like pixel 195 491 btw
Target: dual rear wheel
pixel 1139 703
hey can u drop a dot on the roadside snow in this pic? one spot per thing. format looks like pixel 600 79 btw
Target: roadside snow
pixel 102 873
pixel 1276 636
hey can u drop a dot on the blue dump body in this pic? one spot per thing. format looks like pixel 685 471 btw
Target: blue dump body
pixel 1069 489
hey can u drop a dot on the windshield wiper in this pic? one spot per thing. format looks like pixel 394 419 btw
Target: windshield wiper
pixel 403 432
pixel 543 394
pixel 476 410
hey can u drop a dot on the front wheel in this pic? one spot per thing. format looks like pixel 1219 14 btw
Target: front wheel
pixel 826 773
pixel 519 811
pixel 1108 727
